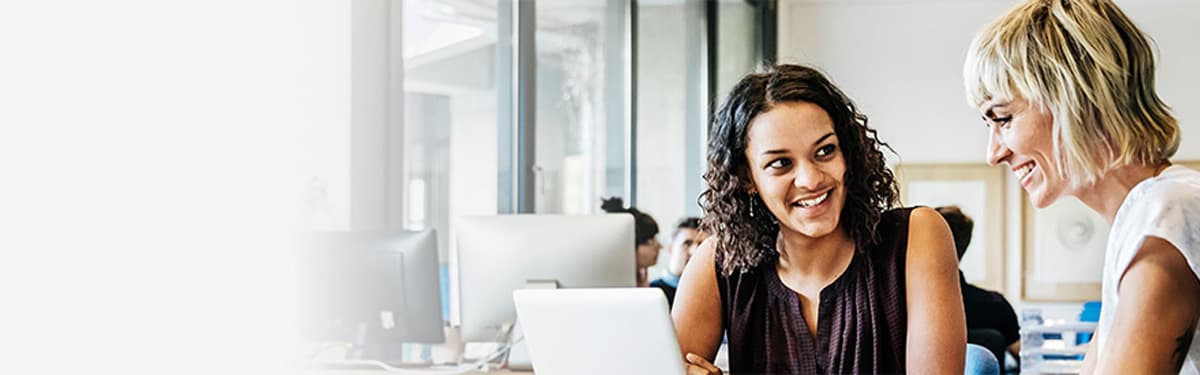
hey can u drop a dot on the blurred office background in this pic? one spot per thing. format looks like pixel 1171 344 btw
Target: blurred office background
pixel 483 107
pixel 152 151
pixel 477 107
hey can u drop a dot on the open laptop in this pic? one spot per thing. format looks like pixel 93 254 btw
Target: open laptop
pixel 599 331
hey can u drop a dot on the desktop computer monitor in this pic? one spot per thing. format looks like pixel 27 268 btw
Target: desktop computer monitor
pixel 499 254
pixel 374 290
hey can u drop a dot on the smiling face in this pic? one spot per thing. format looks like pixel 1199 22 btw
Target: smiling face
pixel 1020 134
pixel 796 164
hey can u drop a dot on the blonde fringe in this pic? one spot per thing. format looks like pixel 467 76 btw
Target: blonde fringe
pixel 1092 68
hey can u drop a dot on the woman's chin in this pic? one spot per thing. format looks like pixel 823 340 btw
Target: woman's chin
pixel 1041 199
pixel 813 230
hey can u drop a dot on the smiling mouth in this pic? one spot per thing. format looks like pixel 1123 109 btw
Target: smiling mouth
pixel 1024 170
pixel 806 203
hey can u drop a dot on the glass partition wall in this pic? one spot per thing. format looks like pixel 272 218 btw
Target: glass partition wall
pixel 514 106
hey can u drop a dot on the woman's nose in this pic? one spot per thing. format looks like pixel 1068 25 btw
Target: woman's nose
pixel 997 151
pixel 808 176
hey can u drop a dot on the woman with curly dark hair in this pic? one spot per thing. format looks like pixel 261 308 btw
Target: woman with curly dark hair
pixel 809 268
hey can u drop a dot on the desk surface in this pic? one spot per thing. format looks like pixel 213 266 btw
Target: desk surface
pixel 384 372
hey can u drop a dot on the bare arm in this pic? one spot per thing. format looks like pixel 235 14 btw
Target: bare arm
pixel 1156 320
pixel 697 310
pixel 937 326
pixel 1089 359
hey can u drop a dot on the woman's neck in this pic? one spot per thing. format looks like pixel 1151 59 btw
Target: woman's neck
pixel 822 257
pixel 1106 195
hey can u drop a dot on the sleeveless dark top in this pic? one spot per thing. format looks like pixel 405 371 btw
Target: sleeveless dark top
pixel 861 326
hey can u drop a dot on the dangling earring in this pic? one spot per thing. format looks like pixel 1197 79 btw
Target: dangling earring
pixel 752 204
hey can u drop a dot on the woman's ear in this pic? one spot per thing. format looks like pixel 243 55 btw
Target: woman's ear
pixel 747 181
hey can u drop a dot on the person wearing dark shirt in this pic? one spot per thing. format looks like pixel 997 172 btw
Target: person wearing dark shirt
pixel 684 239
pixel 991 321
pixel 810 267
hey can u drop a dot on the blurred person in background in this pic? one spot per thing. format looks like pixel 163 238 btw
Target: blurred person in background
pixel 645 232
pixel 686 237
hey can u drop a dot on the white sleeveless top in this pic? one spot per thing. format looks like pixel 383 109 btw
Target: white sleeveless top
pixel 1166 206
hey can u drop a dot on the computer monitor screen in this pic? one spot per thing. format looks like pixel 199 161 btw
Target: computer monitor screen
pixel 499 254
pixel 375 290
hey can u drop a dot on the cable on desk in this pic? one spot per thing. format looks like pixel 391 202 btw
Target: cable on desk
pixel 479 364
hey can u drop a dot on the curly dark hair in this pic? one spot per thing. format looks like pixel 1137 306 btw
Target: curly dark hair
pixel 744 241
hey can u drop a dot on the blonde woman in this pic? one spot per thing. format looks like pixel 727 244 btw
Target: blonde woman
pixel 1066 88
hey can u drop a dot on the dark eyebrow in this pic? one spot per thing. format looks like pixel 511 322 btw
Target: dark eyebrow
pixel 823 138
pixel 776 151
pixel 782 151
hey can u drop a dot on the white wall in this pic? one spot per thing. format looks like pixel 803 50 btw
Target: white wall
pixel 374 135
pixel 350 165
pixel 151 154
pixel 1173 26
pixel 662 105
pixel 902 63
pixel 325 160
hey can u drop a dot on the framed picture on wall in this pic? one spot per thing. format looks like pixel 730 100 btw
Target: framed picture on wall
pixel 978 190
pixel 1064 248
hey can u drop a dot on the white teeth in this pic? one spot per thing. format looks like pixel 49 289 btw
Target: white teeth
pixel 814 201
pixel 1024 171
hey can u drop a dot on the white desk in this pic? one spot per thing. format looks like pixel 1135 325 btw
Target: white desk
pixel 382 372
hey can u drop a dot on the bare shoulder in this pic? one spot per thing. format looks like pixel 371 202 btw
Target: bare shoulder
pixel 1158 283
pixel 707 250
pixel 1161 260
pixel 699 275
pixel 701 269
pixel 929 235
pixel 697 310
pixel 936 322
pixel 925 218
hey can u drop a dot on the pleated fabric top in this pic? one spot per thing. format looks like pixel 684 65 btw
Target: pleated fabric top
pixel 861 325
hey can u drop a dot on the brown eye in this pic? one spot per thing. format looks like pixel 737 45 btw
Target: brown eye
pixel 779 163
pixel 826 151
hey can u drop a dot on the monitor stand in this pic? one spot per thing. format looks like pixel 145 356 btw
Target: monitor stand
pixel 368 349
pixel 373 345
pixel 518 352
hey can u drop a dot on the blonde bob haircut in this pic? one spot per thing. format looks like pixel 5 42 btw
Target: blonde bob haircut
pixel 1092 68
